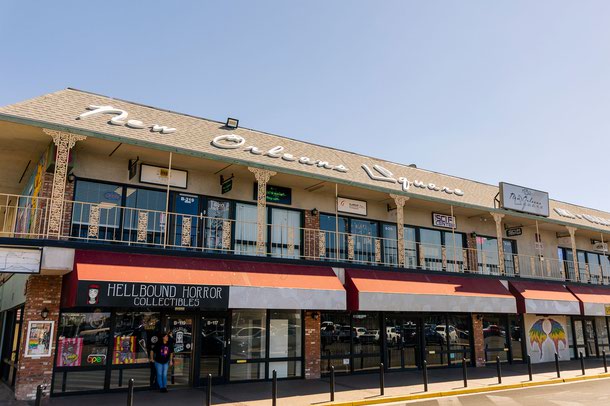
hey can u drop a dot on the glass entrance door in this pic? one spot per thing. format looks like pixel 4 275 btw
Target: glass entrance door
pixel 213 348
pixel 402 337
pixel 591 346
pixel 181 330
pixel 579 337
pixel 186 209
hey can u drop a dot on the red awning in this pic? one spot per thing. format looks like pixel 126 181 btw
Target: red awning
pixel 250 284
pixel 417 292
pixel 594 301
pixel 544 298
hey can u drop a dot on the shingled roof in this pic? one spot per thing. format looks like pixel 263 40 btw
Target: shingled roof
pixel 194 136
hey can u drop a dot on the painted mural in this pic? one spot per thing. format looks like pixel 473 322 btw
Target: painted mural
pixel 546 336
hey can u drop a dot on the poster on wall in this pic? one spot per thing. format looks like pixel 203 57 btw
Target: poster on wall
pixel 69 352
pixel 546 335
pixel 124 350
pixel 39 339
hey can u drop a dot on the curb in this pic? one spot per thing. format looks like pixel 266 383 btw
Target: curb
pixel 465 391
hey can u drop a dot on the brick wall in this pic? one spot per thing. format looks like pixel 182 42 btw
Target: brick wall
pixel 479 340
pixel 471 244
pixel 312 346
pixel 312 236
pixel 41 292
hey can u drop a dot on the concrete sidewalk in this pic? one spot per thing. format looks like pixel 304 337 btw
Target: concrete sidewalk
pixel 348 388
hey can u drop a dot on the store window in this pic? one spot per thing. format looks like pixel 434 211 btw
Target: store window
pixel 595 270
pixel 133 332
pixel 248 344
pixel 246 229
pixel 364 234
pixel 217 217
pixel 454 249
pixel 285 344
pixel 105 196
pixel 285 233
pixel 83 339
pixel 149 203
pixel 447 339
pixel 601 327
pixel 335 232
pixel 516 337
pixel 495 337
pixel 366 336
pixel 390 246
pixel 430 255
pixel 488 259
pixel 335 341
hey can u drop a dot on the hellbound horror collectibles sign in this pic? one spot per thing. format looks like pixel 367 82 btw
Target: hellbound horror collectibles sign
pixel 146 295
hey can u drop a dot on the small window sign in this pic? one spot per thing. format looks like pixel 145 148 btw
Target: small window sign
pixel 275 194
pixel 514 232
pixel 443 221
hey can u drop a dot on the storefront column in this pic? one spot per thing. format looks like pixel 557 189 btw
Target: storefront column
pixel 479 340
pixel 315 240
pixel 312 345
pixel 262 177
pixel 572 231
pixel 400 226
pixel 42 292
pixel 64 143
pixel 498 219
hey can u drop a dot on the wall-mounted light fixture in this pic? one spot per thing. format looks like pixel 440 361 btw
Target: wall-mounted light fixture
pixel 44 313
pixel 232 123
pixel 315 315
pixel 314 212
pixel 71 178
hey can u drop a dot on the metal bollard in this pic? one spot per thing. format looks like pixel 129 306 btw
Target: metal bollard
pixel 130 393
pixel 425 372
pixel 381 380
pixel 529 367
pixel 274 389
pixel 499 369
pixel 332 383
pixel 39 395
pixel 465 372
pixel 557 365
pixel 605 361
pixel 208 395
pixel 582 363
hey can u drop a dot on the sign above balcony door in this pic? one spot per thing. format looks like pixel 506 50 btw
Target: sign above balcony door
pixel 158 175
pixel 524 200
pixel 351 206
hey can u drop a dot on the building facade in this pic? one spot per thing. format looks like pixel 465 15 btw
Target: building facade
pixel 261 253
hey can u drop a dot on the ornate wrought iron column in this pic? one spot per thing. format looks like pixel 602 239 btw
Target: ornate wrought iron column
pixel 262 177
pixel 498 219
pixel 64 143
pixel 400 226
pixel 572 231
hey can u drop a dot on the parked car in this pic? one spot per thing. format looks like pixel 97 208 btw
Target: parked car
pixel 344 334
pixel 392 335
pixel 371 336
pixel 442 331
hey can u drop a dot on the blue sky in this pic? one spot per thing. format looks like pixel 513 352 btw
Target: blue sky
pixel 515 91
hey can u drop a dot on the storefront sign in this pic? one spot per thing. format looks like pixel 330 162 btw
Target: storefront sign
pixel 38 339
pixel 514 232
pixel 158 176
pixel 121 119
pixel 20 260
pixel 376 173
pixel 607 308
pixel 546 336
pixel 443 221
pixel 593 219
pixel 275 194
pixel 144 295
pixel 351 206
pixel 525 200
pixel 600 246
pixel 226 186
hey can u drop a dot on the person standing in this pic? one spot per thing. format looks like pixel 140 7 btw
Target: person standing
pixel 162 354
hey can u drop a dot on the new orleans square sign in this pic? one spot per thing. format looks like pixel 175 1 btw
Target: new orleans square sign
pixel 151 295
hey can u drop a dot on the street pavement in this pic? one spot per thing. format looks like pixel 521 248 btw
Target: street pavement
pixel 348 388
pixel 582 393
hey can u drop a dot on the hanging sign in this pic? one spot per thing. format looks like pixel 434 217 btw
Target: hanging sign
pixel 226 186
pixel 275 194
pixel 523 199
pixel 443 221
pixel 157 175
pixel 345 205
pixel 514 232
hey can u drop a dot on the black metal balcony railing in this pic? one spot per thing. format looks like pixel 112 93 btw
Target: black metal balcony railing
pixel 27 217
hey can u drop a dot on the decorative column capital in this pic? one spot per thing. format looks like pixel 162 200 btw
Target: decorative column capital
pixel 571 230
pixel 400 200
pixel 60 137
pixel 497 216
pixel 262 175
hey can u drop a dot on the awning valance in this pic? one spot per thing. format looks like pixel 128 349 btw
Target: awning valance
pixel 416 292
pixel 128 280
pixel 594 301
pixel 544 298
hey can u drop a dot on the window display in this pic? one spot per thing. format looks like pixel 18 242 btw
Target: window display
pixel 133 332
pixel 495 337
pixel 83 339
pixel 248 334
